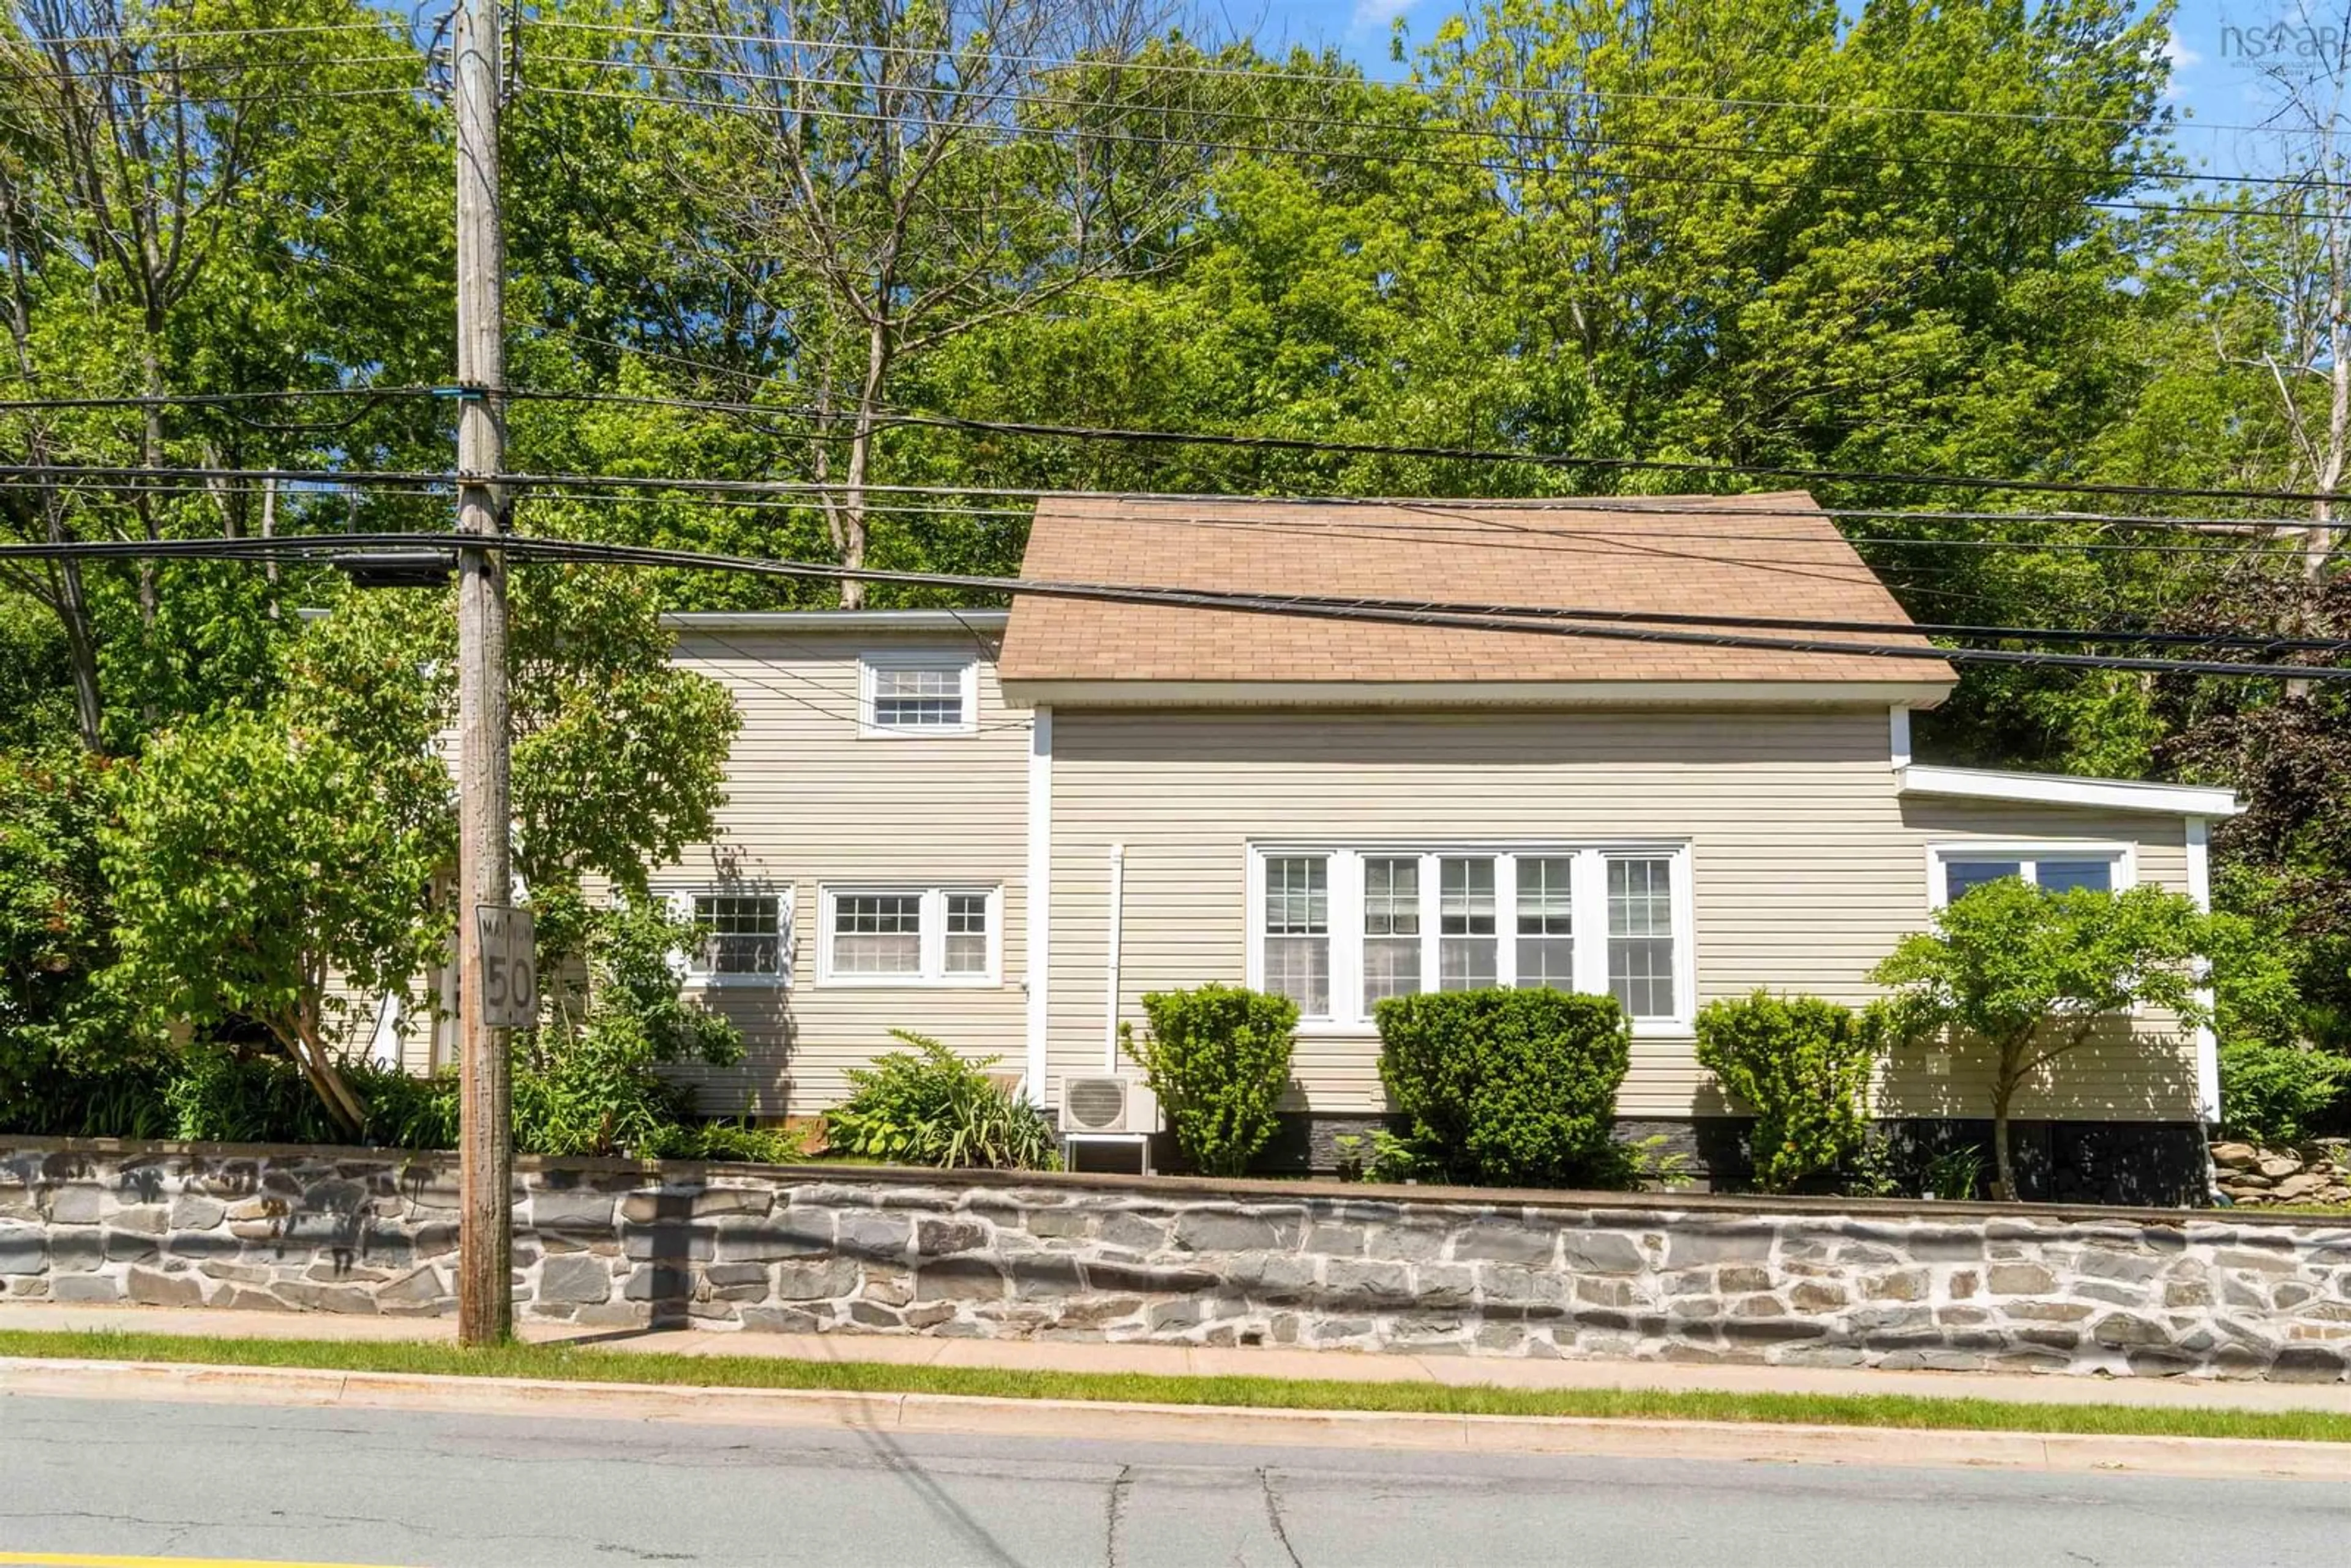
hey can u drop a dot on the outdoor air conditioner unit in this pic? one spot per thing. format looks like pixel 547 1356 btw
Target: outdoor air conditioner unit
pixel 1108 1104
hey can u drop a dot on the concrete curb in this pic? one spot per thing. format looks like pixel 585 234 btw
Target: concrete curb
pixel 942 1412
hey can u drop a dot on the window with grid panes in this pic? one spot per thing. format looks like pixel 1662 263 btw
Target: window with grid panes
pixel 742 934
pixel 1546 925
pixel 1391 929
pixel 1641 935
pixel 1465 923
pixel 1298 931
pixel 918 697
pixel 877 933
pixel 2056 873
pixel 966 934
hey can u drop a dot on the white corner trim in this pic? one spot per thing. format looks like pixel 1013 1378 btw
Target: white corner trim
pixel 1898 726
pixel 2208 1043
pixel 2059 789
pixel 1038 896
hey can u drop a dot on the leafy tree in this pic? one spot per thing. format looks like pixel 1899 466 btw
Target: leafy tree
pixel 55 931
pixel 2032 975
pixel 254 862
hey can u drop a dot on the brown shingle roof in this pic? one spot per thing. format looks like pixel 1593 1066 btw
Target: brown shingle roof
pixel 1774 555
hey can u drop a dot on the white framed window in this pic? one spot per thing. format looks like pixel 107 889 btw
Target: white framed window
pixel 912 694
pixel 912 937
pixel 1953 868
pixel 744 935
pixel 1340 928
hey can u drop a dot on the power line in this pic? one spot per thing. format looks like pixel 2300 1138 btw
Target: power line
pixel 1527 619
pixel 1316 445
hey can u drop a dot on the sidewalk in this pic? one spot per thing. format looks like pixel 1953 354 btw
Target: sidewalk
pixel 1176 1359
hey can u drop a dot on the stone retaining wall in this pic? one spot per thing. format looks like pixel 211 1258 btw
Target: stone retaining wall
pixel 1000 1256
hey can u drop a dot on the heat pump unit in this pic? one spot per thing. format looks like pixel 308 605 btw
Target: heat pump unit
pixel 1108 1104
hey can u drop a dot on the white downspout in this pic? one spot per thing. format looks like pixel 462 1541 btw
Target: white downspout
pixel 1040 894
pixel 1109 964
pixel 2208 1043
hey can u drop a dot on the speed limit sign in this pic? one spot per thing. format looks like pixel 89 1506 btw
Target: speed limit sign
pixel 509 967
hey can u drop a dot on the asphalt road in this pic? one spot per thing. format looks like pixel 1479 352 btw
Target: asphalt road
pixel 353 1486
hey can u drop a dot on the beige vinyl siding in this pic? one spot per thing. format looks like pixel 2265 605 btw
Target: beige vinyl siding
pixel 1806 866
pixel 811 802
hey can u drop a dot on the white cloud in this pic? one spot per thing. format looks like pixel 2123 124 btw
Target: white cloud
pixel 2180 56
pixel 1374 16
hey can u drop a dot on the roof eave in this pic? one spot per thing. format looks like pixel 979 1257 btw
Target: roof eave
pixel 1028 691
pixel 2062 789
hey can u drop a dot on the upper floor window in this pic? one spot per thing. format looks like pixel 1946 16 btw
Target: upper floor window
pixel 2059 868
pixel 918 694
pixel 1340 930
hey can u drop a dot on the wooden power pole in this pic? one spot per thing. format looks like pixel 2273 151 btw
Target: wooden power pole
pixel 486 1233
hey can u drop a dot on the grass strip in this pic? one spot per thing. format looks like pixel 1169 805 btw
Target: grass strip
pixel 590 1365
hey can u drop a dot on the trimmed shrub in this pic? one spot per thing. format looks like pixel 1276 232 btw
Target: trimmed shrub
pixel 928 1106
pixel 1801 1064
pixel 1509 1087
pixel 1218 1058
pixel 2277 1094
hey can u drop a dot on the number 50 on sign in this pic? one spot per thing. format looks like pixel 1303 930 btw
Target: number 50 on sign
pixel 509 967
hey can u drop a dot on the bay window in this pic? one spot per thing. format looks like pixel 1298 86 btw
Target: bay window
pixel 1340 929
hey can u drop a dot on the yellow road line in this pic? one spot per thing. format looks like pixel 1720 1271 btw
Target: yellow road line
pixel 100 1559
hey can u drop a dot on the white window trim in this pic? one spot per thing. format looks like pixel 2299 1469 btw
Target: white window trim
pixel 934 976
pixel 965 666
pixel 689 965
pixel 2123 857
pixel 1349 1018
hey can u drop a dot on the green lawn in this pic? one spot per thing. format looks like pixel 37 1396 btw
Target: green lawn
pixel 588 1365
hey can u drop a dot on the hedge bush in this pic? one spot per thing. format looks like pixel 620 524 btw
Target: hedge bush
pixel 1803 1065
pixel 1218 1058
pixel 1509 1087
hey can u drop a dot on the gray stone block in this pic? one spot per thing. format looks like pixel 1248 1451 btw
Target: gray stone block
pixel 1209 1231
pixel 1506 1241
pixel 823 1280
pixel 669 1242
pixel 874 1235
pixel 575 1279
pixel 958 1280
pixel 84 1288
pixel 1699 1247
pixel 420 1286
pixel 732 1200
pixel 572 1210
pixel 938 1238
pixel 76 1204
pixel 2019 1279
pixel 1600 1253
pixel 1350 1283
pixel 151 1288
pixel 24 1251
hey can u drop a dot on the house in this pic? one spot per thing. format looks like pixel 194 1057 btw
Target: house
pixel 1003 829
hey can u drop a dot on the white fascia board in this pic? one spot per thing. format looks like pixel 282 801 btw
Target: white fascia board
pixel 1472 693
pixel 806 621
pixel 2058 789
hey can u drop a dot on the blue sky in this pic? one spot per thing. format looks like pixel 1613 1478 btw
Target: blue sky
pixel 2214 85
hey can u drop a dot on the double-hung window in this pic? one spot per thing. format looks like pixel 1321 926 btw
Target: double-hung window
pixel 1340 929
pixel 740 935
pixel 912 936
pixel 1954 869
pixel 910 694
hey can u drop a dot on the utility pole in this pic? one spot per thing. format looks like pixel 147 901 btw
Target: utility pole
pixel 485 1228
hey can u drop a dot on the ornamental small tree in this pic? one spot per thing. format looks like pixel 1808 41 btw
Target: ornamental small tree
pixel 2034 974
